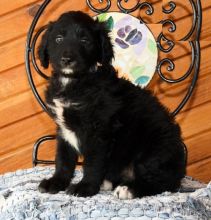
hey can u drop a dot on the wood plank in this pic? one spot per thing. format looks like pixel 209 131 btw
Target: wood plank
pixel 14 81
pixel 172 94
pixel 25 131
pixel 12 54
pixel 16 49
pixel 183 8
pixel 12 5
pixel 182 60
pixel 182 48
pixel 22 158
pixel 199 146
pixel 155 29
pixel 201 170
pixel 9 23
pixel 184 25
pixel 19 107
pixel 195 121
pixel 206 26
pixel 19 160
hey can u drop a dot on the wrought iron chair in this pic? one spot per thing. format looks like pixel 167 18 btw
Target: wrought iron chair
pixel 192 72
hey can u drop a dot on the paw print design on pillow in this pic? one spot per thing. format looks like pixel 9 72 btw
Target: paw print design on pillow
pixel 135 49
pixel 128 36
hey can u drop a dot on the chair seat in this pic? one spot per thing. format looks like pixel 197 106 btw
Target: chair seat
pixel 20 199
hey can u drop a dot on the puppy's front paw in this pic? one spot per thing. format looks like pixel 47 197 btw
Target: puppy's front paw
pixel 52 185
pixel 82 189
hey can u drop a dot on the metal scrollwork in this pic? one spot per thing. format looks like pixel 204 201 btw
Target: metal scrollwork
pixel 127 10
pixel 35 160
pixel 171 67
pixel 195 50
pixel 170 43
pixel 173 25
pixel 101 10
pixel 193 70
pixel 172 6
pixel 171 29
pixel 149 11
pixel 196 16
pixel 33 53
pixel 30 54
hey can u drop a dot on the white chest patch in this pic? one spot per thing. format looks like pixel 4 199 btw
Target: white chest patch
pixel 64 80
pixel 66 133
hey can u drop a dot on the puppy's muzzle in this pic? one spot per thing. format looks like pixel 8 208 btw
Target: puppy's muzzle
pixel 67 65
pixel 67 61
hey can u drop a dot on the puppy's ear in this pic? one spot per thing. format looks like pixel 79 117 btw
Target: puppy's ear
pixel 106 48
pixel 43 47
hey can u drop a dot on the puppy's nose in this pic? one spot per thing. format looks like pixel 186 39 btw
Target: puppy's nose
pixel 66 60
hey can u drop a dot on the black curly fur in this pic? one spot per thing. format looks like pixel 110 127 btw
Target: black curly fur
pixel 118 125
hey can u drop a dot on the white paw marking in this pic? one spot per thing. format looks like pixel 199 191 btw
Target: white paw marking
pixel 106 186
pixel 122 192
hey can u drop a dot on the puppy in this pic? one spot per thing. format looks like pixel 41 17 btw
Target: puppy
pixel 129 141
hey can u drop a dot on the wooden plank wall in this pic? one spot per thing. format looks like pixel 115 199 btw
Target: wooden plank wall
pixel 22 120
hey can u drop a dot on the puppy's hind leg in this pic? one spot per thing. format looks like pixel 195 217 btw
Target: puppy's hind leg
pixel 133 188
pixel 152 176
pixel 125 190
pixel 66 159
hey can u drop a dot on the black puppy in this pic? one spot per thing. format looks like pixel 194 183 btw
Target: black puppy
pixel 129 141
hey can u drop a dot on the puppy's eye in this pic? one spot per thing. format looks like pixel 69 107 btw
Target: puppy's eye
pixel 59 39
pixel 84 40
